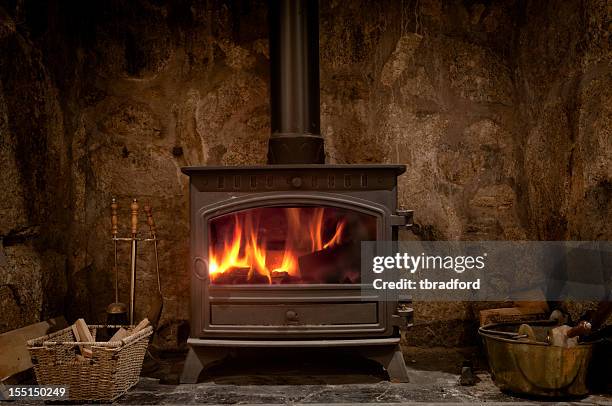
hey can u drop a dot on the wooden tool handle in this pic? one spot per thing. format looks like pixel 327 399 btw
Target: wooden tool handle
pixel 114 227
pixel 134 206
pixel 150 220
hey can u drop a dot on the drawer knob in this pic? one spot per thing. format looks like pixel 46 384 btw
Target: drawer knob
pixel 291 315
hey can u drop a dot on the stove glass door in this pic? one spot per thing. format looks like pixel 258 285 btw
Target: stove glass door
pixel 288 245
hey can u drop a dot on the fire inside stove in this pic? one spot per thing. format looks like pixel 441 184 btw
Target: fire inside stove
pixel 288 245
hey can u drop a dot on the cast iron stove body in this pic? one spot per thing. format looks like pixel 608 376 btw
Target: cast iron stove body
pixel 275 249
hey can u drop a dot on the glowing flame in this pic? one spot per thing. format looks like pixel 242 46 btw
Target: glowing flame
pixel 245 250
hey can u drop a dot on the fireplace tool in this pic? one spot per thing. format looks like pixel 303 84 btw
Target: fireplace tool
pixel 134 208
pixel 116 312
pixel 158 301
pixel 120 308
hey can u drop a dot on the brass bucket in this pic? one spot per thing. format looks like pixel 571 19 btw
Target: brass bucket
pixel 534 367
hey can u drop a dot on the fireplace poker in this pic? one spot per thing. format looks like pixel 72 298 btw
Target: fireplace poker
pixel 134 207
pixel 114 207
pixel 158 302
pixel 115 312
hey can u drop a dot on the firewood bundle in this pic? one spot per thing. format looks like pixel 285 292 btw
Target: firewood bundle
pixel 83 336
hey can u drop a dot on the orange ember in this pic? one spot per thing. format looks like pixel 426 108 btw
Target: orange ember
pixel 262 253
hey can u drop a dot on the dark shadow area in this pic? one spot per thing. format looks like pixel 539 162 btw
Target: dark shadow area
pixel 449 360
pixel 278 367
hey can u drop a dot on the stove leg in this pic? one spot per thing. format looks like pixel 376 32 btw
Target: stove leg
pixel 391 358
pixel 199 358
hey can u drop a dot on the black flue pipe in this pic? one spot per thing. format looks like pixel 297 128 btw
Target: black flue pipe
pixel 294 83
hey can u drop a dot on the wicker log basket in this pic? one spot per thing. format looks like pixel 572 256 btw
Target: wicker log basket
pixel 111 371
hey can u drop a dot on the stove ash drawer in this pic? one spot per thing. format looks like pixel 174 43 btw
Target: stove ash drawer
pixel 295 314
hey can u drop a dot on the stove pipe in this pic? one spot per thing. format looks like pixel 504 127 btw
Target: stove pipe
pixel 294 83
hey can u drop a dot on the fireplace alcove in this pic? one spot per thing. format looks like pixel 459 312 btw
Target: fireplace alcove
pixel 275 249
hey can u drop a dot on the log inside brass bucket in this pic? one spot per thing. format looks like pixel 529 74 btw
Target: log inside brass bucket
pixel 535 367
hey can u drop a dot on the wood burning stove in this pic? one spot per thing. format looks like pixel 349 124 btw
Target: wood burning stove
pixel 276 249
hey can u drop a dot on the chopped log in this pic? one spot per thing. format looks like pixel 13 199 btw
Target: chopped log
pixel 81 333
pixel 144 323
pixel 119 335
pixel 14 355
pixel 257 278
pixel 330 265
pixel 233 276
pixel 558 337
pixel 511 314
pixel 284 278
pixel 279 277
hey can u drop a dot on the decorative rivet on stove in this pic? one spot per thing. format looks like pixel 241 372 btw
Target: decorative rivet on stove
pixel 296 181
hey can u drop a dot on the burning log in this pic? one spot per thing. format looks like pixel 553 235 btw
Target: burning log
pixel 232 276
pixel 279 277
pixel 337 264
pixel 258 278
pixel 283 277
pixel 239 276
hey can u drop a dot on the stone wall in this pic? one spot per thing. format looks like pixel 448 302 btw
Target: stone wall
pixel 564 101
pixel 35 171
pixel 499 109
